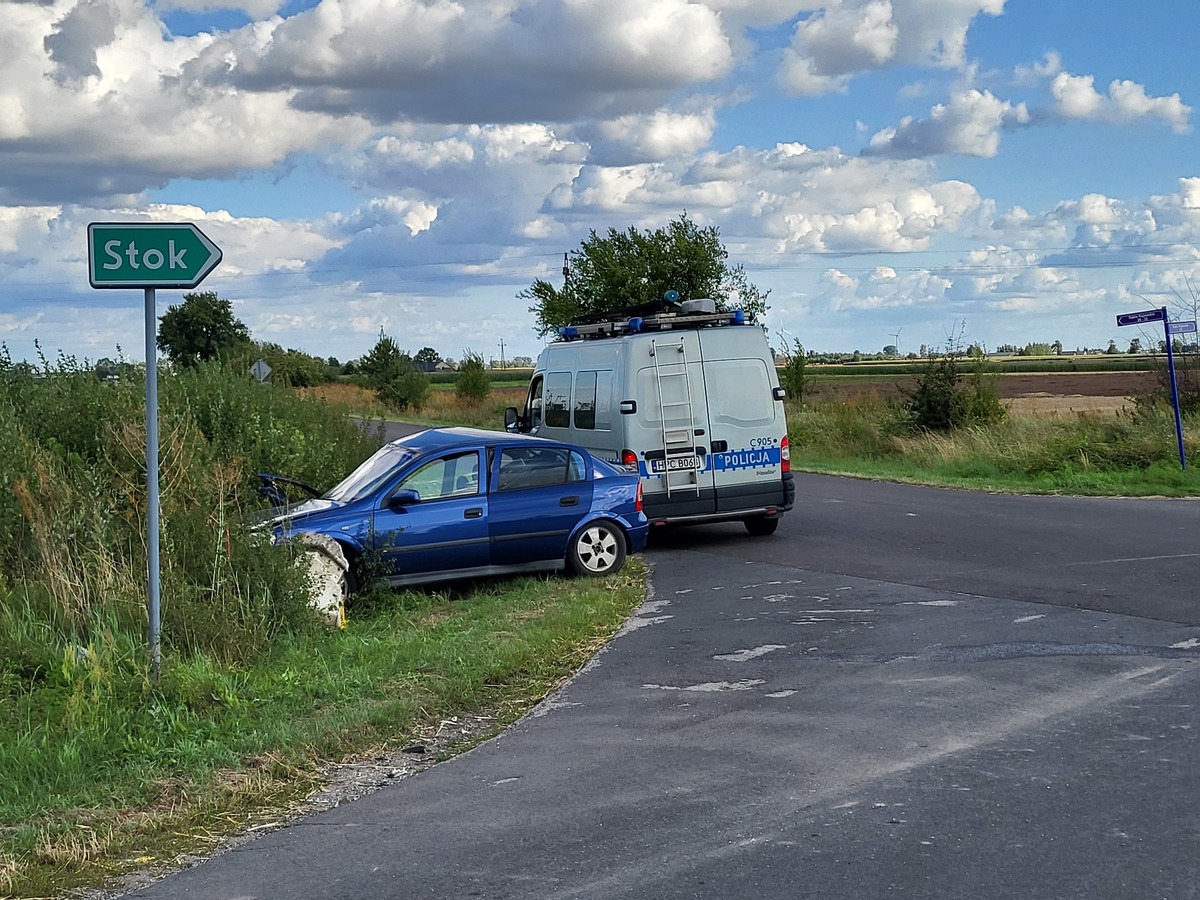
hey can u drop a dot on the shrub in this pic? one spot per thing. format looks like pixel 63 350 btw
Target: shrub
pixel 792 375
pixel 941 402
pixel 473 381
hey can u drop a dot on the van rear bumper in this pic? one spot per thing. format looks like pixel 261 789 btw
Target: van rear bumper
pixel 724 504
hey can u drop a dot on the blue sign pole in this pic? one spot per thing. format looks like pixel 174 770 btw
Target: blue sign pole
pixel 1174 392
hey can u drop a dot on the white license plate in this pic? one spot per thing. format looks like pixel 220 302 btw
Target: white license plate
pixel 675 464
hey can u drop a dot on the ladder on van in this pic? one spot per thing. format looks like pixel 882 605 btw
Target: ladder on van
pixel 681 462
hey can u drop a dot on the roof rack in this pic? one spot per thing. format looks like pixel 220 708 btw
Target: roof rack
pixel 612 323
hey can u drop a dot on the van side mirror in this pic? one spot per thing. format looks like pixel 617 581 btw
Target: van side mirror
pixel 513 421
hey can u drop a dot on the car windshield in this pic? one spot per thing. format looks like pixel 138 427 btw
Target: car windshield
pixel 371 474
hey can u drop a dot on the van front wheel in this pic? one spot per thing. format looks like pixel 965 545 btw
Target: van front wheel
pixel 598 549
pixel 761 526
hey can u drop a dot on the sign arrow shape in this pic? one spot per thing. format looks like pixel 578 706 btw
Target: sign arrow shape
pixel 1142 317
pixel 149 255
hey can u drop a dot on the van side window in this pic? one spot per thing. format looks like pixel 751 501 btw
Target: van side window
pixel 535 404
pixel 604 400
pixel 585 400
pixel 558 399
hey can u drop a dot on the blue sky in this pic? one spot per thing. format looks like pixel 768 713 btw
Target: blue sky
pixel 1010 170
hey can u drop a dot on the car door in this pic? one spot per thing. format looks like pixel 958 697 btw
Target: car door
pixel 434 519
pixel 538 496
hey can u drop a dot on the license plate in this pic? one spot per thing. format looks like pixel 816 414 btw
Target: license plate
pixel 675 464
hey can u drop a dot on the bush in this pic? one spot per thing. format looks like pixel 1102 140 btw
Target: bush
pixel 408 390
pixel 473 380
pixel 941 402
pixel 792 375
pixel 73 505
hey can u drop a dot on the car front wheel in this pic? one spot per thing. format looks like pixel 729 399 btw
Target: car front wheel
pixel 598 549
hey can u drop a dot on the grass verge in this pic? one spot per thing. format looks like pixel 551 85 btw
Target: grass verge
pixel 103 771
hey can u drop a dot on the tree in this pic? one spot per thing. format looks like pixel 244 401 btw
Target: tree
pixel 427 359
pixel 473 382
pixel 1135 346
pixel 626 268
pixel 393 375
pixel 201 328
pixel 793 376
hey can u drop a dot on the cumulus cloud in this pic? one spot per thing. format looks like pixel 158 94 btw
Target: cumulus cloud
pixel 442 61
pixel 1076 98
pixel 847 37
pixel 969 125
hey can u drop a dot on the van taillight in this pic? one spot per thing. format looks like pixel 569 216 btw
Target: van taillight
pixel 785 454
pixel 637 503
pixel 628 458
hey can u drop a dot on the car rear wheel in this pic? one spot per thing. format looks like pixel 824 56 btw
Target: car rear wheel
pixel 761 526
pixel 598 549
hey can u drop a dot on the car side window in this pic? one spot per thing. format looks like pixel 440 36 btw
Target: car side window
pixel 522 468
pixel 450 476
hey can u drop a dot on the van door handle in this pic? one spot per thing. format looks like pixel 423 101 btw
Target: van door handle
pixel 720 446
pixel 475 512
pixel 568 501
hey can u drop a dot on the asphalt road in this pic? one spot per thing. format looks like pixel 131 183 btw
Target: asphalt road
pixel 904 692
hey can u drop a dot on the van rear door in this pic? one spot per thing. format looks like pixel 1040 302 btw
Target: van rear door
pixel 672 424
pixel 745 419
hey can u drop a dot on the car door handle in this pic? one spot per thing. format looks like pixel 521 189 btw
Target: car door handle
pixel 568 501
pixel 475 512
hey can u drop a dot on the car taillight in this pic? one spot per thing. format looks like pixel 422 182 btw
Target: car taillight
pixel 637 503
pixel 628 458
pixel 785 454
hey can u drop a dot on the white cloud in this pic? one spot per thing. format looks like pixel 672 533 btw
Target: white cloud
pixel 1077 98
pixel 443 61
pixel 848 37
pixel 970 125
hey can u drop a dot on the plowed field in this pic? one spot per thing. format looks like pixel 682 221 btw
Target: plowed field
pixel 1058 392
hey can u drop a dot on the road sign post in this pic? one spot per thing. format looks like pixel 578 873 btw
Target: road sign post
pixel 150 255
pixel 1141 317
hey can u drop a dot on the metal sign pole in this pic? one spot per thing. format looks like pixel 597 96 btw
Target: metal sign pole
pixel 1174 391
pixel 152 502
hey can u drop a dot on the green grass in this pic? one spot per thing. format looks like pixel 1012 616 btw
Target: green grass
pixel 1125 454
pixel 97 763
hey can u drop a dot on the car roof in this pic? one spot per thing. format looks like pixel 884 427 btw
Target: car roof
pixel 449 438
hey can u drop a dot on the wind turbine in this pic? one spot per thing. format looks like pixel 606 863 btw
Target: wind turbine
pixel 896 335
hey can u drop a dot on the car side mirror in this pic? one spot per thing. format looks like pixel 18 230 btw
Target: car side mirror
pixel 403 497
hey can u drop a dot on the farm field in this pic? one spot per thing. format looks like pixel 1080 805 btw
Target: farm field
pixel 1061 392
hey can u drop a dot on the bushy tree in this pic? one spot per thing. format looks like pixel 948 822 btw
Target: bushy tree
pixel 625 268
pixel 473 382
pixel 393 375
pixel 201 328
pixel 792 375
pixel 941 401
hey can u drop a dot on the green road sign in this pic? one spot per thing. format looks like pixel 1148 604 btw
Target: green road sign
pixel 149 255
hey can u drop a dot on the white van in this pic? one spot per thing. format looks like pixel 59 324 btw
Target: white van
pixel 690 396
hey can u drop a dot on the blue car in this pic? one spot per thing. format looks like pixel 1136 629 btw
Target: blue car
pixel 451 503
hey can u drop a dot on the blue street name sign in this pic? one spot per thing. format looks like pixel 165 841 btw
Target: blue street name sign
pixel 1142 317
pixel 1181 327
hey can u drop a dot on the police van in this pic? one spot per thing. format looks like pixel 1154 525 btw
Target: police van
pixel 685 393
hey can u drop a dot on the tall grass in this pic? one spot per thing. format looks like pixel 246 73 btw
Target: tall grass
pixel 99 762
pixel 1133 453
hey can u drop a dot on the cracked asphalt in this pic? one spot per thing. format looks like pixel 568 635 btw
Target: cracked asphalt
pixel 904 692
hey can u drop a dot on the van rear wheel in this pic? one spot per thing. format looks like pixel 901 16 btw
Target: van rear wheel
pixel 598 549
pixel 761 526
